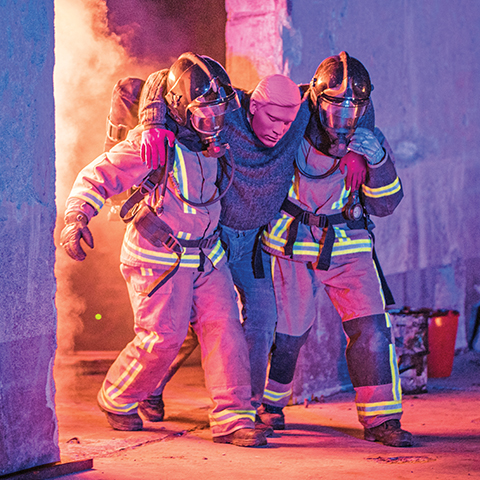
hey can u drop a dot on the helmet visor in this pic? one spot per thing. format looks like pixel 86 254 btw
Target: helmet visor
pixel 338 113
pixel 209 119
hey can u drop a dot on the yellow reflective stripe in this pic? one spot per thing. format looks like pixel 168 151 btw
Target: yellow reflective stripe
pixel 342 201
pixel 378 192
pixel 387 320
pixel 183 180
pixel 381 292
pixel 379 408
pixel 184 235
pixel 396 386
pixel 362 413
pixel 149 342
pixel 280 227
pixel 385 403
pixel 306 248
pixel 92 198
pixel 291 192
pixel 160 258
pixel 146 272
pixel 347 246
pixel 229 416
pixel 113 405
pixel 217 253
pixel 123 382
pixel 364 249
pixel 276 396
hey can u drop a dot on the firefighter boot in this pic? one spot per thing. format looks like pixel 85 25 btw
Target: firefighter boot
pixel 389 433
pixel 152 408
pixel 266 429
pixel 244 437
pixel 131 422
pixel 272 416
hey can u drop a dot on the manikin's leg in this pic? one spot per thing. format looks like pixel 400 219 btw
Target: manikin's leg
pixel 258 301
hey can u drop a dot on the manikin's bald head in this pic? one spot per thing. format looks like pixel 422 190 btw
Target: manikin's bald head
pixel 274 105
pixel 276 90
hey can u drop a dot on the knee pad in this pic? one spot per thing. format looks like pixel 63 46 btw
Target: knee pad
pixel 285 355
pixel 369 350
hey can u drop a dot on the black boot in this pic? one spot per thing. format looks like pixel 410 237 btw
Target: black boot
pixel 272 416
pixel 152 408
pixel 389 433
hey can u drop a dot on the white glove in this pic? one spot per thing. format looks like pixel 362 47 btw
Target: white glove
pixel 365 143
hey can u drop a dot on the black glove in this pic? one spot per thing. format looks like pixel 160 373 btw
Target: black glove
pixel 74 230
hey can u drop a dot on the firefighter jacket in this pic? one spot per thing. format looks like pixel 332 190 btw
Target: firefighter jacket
pixel 193 176
pixel 380 195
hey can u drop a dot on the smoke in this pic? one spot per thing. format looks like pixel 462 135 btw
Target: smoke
pixel 97 42
pixel 89 61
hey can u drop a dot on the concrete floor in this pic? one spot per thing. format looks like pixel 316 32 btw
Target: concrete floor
pixel 322 440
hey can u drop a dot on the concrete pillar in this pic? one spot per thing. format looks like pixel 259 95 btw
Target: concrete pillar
pixel 28 434
pixel 254 40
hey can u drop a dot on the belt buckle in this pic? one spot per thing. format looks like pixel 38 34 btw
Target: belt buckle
pixel 173 242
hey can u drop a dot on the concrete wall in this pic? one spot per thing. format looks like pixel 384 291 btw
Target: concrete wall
pixel 424 61
pixel 28 434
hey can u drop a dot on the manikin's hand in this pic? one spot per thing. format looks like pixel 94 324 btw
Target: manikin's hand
pixel 153 146
pixel 365 143
pixel 356 170
pixel 74 230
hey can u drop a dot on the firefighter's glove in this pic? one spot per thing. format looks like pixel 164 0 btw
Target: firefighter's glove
pixel 365 143
pixel 356 170
pixel 153 146
pixel 75 229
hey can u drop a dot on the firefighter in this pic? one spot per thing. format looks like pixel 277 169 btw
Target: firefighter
pixel 172 258
pixel 322 237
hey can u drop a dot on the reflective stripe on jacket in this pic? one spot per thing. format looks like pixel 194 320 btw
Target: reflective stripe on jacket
pixel 381 194
pixel 122 168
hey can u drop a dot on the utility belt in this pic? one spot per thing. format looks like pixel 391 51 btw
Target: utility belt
pixel 321 221
pixel 327 221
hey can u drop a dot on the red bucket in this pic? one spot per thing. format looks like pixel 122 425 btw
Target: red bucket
pixel 442 334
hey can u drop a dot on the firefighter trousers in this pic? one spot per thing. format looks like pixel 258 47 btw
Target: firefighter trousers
pixel 207 301
pixel 353 286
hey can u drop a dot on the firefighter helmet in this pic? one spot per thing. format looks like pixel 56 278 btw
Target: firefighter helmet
pixel 340 91
pixel 199 90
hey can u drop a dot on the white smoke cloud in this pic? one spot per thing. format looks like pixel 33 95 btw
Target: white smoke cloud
pixel 89 60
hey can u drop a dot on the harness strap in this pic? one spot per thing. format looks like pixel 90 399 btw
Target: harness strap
pixel 167 275
pixel 208 242
pixel 258 270
pixel 164 278
pixel 313 220
pixel 148 185
pixel 322 221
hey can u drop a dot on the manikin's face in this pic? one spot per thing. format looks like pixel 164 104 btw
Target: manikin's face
pixel 271 122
